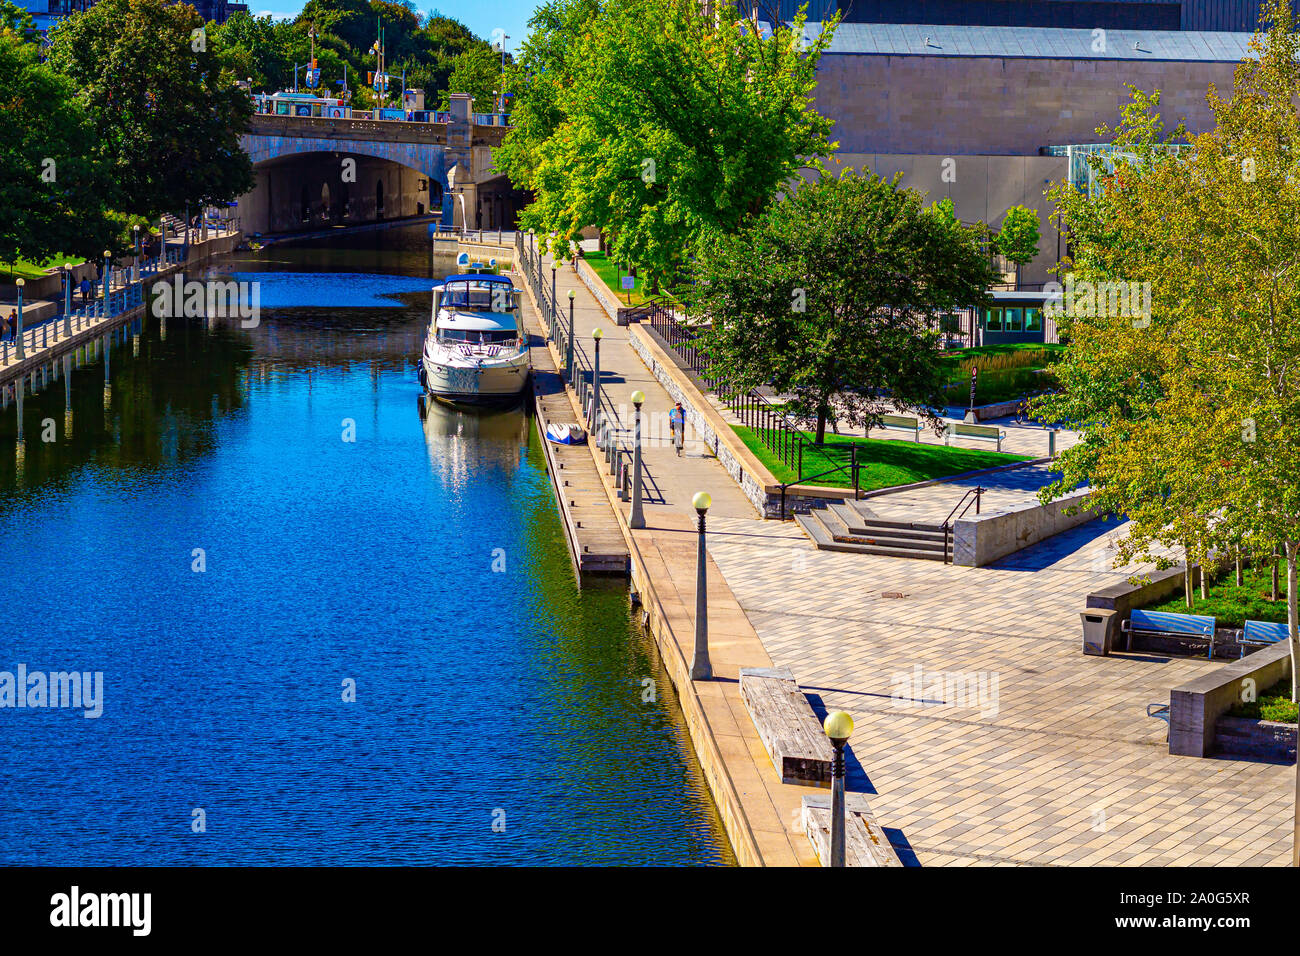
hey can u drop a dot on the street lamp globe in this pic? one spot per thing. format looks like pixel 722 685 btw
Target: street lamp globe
pixel 838 726
pixel 20 282
pixel 702 501
pixel 571 295
pixel 596 334
pixel 638 397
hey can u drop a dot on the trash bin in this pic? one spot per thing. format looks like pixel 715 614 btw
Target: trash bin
pixel 1100 627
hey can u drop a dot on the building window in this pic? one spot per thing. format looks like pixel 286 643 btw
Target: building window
pixel 1033 320
pixel 1013 323
pixel 993 320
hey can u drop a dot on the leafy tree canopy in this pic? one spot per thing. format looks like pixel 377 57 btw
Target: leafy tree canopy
pixel 1189 402
pixel 658 125
pixel 833 295
pixel 166 121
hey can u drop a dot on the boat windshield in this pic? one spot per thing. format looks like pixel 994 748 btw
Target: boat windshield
pixel 495 297
pixel 479 336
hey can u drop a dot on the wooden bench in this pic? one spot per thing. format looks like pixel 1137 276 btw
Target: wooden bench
pixel 901 423
pixel 790 731
pixel 1166 624
pixel 1262 634
pixel 865 843
pixel 976 432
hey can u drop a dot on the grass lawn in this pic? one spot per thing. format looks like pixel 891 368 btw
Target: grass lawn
pixel 1273 704
pixel 1231 605
pixel 34 270
pixel 608 270
pixel 881 463
pixel 1008 348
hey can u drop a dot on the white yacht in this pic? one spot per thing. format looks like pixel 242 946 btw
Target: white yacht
pixel 476 350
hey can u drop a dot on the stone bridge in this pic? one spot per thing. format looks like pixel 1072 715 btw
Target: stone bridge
pixel 317 171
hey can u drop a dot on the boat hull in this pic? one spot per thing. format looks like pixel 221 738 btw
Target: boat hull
pixel 474 384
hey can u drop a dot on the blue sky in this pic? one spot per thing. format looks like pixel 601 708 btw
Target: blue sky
pixel 482 16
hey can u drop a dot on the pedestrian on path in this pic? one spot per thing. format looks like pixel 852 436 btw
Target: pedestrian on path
pixel 85 291
pixel 12 325
pixel 677 426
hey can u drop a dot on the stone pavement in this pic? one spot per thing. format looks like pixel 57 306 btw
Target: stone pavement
pixel 1051 759
pixel 1024 751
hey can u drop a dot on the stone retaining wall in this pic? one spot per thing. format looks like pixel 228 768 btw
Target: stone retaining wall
pixel 1195 707
pixel 596 286
pixel 984 539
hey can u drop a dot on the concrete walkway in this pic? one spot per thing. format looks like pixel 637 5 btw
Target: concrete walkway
pixel 670 481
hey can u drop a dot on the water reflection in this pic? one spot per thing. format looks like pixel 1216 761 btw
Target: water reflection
pixel 344 537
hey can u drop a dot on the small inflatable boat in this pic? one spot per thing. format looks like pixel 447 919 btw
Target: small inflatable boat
pixel 566 434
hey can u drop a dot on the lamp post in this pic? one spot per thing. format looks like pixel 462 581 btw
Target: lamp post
pixel 136 248
pixel 18 329
pixel 568 343
pixel 701 669
pixel 108 278
pixel 638 518
pixel 67 300
pixel 838 727
pixel 595 383
pixel 553 302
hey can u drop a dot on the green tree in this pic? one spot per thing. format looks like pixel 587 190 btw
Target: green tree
pixel 832 294
pixel 16 19
pixel 1190 409
pixel 672 126
pixel 166 120
pixel 1017 238
pixel 476 71
pixel 51 196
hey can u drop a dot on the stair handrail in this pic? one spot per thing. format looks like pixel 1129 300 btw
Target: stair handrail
pixel 977 492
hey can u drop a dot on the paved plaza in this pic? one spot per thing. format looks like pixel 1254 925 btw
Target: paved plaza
pixel 1055 763
pixel 1041 756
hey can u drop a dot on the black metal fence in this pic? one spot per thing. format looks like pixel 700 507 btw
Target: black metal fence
pixel 772 423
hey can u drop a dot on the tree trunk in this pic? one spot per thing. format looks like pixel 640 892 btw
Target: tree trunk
pixel 822 411
pixel 1239 567
pixel 1205 594
pixel 1275 575
pixel 1188 594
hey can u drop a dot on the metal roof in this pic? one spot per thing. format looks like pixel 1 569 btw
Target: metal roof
pixel 908 39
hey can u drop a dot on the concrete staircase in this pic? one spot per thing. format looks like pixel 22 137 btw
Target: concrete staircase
pixel 851 526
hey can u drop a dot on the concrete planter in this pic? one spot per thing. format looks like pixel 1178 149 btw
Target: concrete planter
pixel 1248 737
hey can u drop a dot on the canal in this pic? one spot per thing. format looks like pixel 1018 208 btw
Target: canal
pixel 332 630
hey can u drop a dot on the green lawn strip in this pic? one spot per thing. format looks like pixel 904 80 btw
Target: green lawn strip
pixel 1273 704
pixel 1231 606
pixel 608 270
pixel 34 270
pixel 881 463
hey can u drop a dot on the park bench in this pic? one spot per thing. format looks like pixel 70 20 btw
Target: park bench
pixel 977 432
pixel 901 423
pixel 787 726
pixel 1167 624
pixel 1263 633
pixel 865 842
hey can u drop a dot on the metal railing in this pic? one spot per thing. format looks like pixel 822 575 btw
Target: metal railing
pixel 974 494
pixel 604 423
pixel 773 425
pixel 122 297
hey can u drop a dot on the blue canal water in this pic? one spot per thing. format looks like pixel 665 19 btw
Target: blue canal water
pixel 254 521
